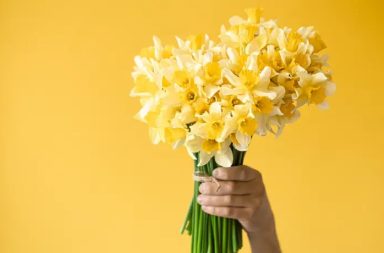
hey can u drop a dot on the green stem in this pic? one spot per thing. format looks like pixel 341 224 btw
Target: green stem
pixel 234 236
pixel 229 233
pixel 214 229
pixel 224 242
pixel 187 220
pixel 209 235
pixel 212 233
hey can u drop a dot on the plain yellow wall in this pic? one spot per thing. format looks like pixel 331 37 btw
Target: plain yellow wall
pixel 79 174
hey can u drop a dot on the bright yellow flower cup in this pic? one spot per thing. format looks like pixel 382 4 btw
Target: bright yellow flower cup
pixel 212 97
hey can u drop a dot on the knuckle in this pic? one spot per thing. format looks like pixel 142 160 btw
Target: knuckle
pixel 205 199
pixel 230 186
pixel 243 174
pixel 220 172
pixel 223 173
pixel 228 199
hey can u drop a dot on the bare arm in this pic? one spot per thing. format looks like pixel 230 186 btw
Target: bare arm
pixel 242 196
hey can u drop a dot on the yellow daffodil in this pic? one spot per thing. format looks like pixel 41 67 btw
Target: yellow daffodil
pixel 241 126
pixel 212 71
pixel 213 96
pixel 314 88
pixel 208 148
pixel 263 105
pixel 211 123
pixel 207 95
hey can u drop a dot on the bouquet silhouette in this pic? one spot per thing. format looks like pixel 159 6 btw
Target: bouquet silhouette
pixel 212 97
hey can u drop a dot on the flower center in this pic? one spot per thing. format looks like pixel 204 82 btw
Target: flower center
pixel 190 96
pixel 216 125
pixel 235 101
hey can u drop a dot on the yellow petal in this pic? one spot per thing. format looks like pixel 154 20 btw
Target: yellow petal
pixel 317 42
pixel 254 14
pixel 257 43
pixel 174 134
pixel 316 95
pixel 263 105
pixel 212 71
pixel 248 126
pixel 143 87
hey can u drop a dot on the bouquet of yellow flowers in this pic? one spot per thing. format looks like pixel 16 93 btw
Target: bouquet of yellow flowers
pixel 213 97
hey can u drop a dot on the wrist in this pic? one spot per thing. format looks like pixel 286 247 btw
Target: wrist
pixel 263 236
pixel 264 240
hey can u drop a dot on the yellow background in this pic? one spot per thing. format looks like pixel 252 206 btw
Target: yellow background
pixel 79 174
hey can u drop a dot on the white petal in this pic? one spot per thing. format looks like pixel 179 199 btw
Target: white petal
pixel 276 111
pixel 269 94
pixel 323 106
pixel 252 62
pixel 243 140
pixel 330 88
pixel 211 90
pixel 180 42
pixel 245 98
pixel 280 130
pixel 156 135
pixel 178 143
pixel 204 158
pixel 262 126
pixel 207 58
pixel 319 77
pixel 191 154
pixel 215 108
pixel 265 75
pixel 225 90
pixel 158 47
pixel 193 143
pixel 143 64
pixel 281 40
pixel 199 129
pixel 271 123
pixel 236 20
pixel 269 23
pixel 144 110
pixel 280 92
pixel 232 78
pixel 229 127
pixel 184 61
pixel 224 157
pixel 232 55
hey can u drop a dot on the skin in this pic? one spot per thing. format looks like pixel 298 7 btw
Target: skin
pixel 242 196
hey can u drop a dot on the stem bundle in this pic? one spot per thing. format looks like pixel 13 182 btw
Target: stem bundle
pixel 212 234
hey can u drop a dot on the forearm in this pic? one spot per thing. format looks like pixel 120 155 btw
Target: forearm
pixel 263 236
pixel 264 241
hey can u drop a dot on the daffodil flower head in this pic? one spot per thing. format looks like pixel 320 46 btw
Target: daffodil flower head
pixel 211 96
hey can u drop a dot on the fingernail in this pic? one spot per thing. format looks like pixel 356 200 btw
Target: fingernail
pixel 215 172
pixel 199 198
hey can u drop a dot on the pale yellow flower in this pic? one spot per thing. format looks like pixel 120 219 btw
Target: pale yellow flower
pixel 207 95
pixel 211 124
pixel 208 148
pixel 314 88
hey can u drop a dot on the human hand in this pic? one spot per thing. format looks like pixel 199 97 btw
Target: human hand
pixel 242 196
